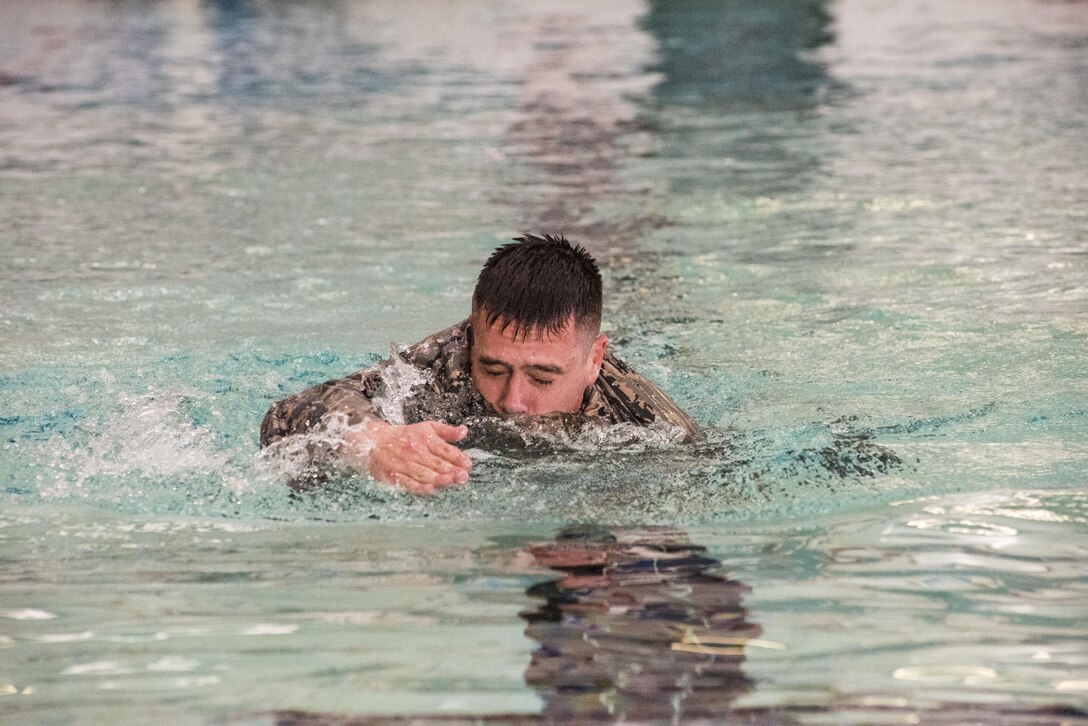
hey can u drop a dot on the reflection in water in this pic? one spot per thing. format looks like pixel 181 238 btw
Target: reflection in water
pixel 233 23
pixel 733 119
pixel 637 628
pixel 746 55
pixel 608 88
pixel 576 102
pixel 735 104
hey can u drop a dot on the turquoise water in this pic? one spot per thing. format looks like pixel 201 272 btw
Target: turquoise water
pixel 847 237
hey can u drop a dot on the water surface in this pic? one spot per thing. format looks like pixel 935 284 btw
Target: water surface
pixel 847 237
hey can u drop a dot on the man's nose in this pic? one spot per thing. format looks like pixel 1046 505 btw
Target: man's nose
pixel 513 400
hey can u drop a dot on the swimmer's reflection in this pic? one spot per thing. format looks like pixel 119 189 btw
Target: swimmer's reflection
pixel 638 628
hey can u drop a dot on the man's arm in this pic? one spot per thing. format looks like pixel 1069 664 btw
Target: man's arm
pixel 417 457
pixel 310 411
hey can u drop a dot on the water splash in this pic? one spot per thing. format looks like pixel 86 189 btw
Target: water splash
pixel 150 453
pixel 402 381
pixel 309 459
pixel 181 449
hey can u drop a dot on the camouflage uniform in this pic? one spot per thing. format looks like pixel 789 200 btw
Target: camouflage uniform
pixel 446 393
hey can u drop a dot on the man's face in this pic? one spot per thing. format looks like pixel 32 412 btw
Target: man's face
pixel 535 374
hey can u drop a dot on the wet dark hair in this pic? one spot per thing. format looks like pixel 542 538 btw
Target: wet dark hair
pixel 538 283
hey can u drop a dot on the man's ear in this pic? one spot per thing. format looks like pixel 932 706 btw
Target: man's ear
pixel 600 345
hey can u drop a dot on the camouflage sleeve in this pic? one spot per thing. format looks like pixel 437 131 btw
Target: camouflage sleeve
pixel 630 397
pixel 352 396
pixel 309 410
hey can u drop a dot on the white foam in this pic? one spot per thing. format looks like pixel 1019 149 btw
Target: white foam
pixel 270 629
pixel 150 437
pixel 27 614
pixel 292 456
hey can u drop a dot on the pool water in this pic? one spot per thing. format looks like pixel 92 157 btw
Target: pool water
pixel 848 237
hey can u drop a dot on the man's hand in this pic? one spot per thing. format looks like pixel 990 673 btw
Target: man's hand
pixel 417 457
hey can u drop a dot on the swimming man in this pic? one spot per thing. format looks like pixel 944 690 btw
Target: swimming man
pixel 530 351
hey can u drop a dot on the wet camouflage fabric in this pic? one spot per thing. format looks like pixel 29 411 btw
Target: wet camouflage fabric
pixel 448 394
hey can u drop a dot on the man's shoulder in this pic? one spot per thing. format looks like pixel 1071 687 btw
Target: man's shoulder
pixel 446 350
pixel 625 395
